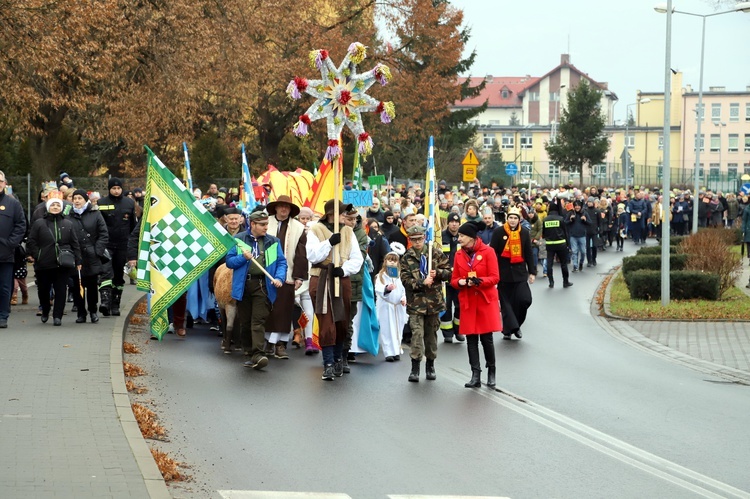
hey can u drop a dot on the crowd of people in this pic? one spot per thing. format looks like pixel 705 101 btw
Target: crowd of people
pixel 290 265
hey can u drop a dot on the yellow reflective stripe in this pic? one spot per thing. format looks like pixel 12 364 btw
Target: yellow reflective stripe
pixel 106 207
pixel 559 241
pixel 446 325
pixel 446 248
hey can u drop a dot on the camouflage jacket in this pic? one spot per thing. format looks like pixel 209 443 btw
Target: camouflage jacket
pixel 421 299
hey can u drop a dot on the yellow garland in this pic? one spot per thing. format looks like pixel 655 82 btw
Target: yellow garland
pixel 390 109
pixel 312 56
pixel 386 72
pixel 360 53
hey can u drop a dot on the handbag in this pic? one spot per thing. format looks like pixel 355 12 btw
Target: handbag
pixel 65 258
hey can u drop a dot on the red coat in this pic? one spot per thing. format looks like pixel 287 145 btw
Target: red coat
pixel 480 306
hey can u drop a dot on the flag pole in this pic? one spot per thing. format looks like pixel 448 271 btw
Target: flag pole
pixel 430 207
pixel 188 174
pixel 338 166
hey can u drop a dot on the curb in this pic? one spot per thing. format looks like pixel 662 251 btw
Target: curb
pixel 619 328
pixel 155 484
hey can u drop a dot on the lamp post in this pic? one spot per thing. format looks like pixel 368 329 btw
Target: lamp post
pixel 662 9
pixel 626 156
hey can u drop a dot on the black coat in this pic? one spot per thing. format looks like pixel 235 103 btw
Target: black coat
pixel 119 213
pixel 12 227
pixel 41 243
pixel 513 272
pixel 594 217
pixel 91 231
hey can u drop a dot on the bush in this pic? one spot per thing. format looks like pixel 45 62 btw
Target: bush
pixel 652 262
pixel 709 251
pixel 683 285
pixel 730 236
pixel 656 250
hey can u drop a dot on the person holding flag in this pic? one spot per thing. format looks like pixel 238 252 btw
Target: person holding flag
pixel 259 270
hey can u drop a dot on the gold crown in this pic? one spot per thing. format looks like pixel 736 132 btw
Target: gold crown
pixel 514 211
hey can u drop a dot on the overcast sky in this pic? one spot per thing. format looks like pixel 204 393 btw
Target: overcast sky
pixel 621 42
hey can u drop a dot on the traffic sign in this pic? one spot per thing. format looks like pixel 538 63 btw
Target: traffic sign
pixel 745 189
pixel 511 169
pixel 470 159
pixel 470 173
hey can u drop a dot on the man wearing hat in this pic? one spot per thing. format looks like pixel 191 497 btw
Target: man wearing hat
pixel 292 237
pixel 424 297
pixel 332 256
pixel 450 320
pixel 119 214
pixel 254 291
pixel 555 233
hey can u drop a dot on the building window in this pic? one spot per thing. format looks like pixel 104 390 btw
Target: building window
pixel 716 111
pixel 554 170
pixel 526 140
pixel 746 169
pixel 734 111
pixel 630 141
pixel 533 96
pixel 527 168
pixel 661 141
pixel 700 171
pixel 734 142
pixel 660 170
pixel 494 122
pixel 713 173
pixel 747 111
pixel 700 113
pixel 554 97
pixel 600 170
pixel 747 142
pixel 732 170
pixel 703 145
pixel 474 122
pixel 715 142
pixel 487 140
pixel 509 141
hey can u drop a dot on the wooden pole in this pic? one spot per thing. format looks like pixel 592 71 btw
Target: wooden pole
pixel 338 167
pixel 257 263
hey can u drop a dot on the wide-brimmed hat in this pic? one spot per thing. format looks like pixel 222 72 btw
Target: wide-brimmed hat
pixel 283 199
pixel 343 208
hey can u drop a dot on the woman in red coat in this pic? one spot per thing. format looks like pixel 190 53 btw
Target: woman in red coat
pixel 475 275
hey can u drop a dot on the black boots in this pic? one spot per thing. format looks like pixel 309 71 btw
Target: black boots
pixel 473 348
pixel 106 296
pixel 429 370
pixel 475 381
pixel 488 345
pixel 114 306
pixel 491 377
pixel 414 375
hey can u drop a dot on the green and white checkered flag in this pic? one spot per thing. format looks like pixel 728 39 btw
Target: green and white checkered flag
pixel 179 241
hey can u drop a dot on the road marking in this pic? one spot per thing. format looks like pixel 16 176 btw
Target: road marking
pixel 412 496
pixel 606 444
pixel 262 494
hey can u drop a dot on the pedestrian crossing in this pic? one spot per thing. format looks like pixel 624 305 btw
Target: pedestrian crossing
pixel 267 494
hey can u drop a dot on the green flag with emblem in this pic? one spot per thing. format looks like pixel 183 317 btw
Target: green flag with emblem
pixel 179 241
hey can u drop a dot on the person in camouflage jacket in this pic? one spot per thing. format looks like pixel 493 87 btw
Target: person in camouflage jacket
pixel 424 299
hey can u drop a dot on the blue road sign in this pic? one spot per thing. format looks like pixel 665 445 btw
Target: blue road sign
pixel 745 189
pixel 511 169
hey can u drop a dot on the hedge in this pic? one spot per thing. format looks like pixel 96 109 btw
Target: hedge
pixel 655 250
pixel 652 262
pixel 683 285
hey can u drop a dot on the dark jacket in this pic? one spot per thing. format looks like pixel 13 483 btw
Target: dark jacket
pixel 513 272
pixel 594 219
pixel 12 227
pixel 577 227
pixel 555 231
pixel 377 215
pixel 119 213
pixel 377 250
pixel 41 244
pixel 91 231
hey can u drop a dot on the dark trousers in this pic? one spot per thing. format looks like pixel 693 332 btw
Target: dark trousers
pixel 119 258
pixel 47 280
pixel 450 320
pixel 636 231
pixel 561 251
pixel 6 288
pixel 253 311
pixel 472 346
pixel 515 300
pixel 591 248
pixel 90 285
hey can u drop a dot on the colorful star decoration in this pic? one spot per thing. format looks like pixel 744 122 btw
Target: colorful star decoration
pixel 341 97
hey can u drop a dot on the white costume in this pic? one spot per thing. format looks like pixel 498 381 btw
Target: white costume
pixel 391 313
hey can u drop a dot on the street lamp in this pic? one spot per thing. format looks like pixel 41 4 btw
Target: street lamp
pixel 626 155
pixel 662 9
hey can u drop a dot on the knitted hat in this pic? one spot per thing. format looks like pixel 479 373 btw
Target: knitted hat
pixel 453 217
pixel 82 193
pixel 114 182
pixel 470 229
pixel 306 212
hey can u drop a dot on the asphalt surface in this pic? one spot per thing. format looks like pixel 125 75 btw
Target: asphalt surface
pixel 578 413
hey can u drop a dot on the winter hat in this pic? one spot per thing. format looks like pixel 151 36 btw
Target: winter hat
pixel 114 182
pixel 387 214
pixel 470 229
pixel 591 199
pixel 52 201
pixel 82 193
pixel 307 212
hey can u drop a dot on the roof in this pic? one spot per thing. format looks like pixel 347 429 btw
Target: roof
pixel 493 91
pixel 564 64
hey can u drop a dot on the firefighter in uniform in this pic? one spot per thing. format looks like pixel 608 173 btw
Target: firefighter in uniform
pixel 556 235
pixel 119 213
pixel 449 321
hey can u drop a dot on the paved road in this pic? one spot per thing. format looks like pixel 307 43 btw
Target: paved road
pixel 577 413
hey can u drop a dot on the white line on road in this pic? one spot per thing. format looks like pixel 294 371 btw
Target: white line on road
pixel 606 444
pixel 261 494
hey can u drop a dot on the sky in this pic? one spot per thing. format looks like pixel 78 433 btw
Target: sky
pixel 621 42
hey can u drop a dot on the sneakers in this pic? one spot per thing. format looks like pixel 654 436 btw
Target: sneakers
pixel 269 348
pixel 258 363
pixel 3 323
pixel 448 339
pixel 280 351
pixel 309 347
pixel 327 373
pixel 575 268
pixel 338 368
pixel 460 337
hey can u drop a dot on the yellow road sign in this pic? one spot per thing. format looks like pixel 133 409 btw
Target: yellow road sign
pixel 470 159
pixel 470 173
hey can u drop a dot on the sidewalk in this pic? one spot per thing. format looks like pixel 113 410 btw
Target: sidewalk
pixel 62 434
pixel 718 348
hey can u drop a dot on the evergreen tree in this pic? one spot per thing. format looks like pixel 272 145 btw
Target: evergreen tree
pixel 580 139
pixel 494 169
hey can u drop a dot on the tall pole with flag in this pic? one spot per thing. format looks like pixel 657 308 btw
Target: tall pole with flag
pixel 248 196
pixel 356 172
pixel 188 173
pixel 429 206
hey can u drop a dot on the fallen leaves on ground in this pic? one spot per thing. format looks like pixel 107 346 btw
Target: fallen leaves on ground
pixel 129 348
pixel 131 370
pixel 132 387
pixel 146 419
pixel 167 466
